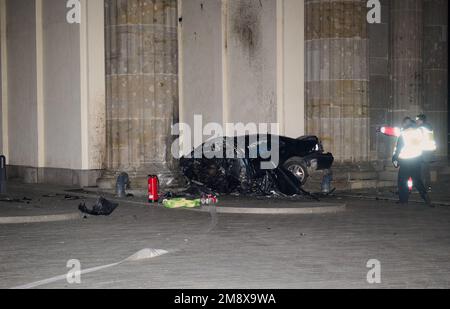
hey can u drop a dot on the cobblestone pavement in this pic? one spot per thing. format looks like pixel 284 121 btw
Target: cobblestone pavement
pixel 230 251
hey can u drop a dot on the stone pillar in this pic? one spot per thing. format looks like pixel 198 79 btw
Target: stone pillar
pixel 435 66
pixel 380 96
pixel 337 77
pixel 406 64
pixel 4 145
pixel 142 87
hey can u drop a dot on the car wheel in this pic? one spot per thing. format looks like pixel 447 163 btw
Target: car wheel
pixel 298 168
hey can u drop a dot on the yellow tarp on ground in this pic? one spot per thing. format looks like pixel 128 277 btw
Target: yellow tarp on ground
pixel 181 203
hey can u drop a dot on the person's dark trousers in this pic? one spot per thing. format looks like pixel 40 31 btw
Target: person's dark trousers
pixel 425 170
pixel 411 169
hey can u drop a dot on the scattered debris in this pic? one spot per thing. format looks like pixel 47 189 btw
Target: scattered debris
pixel 209 199
pixel 49 195
pixel 166 196
pixel 78 191
pixel 25 200
pixel 71 198
pixel 324 195
pixel 244 174
pixel 102 207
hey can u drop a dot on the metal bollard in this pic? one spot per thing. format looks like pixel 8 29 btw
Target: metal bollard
pixel 2 175
pixel 326 182
pixel 122 184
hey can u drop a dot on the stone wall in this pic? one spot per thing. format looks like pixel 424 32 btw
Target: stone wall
pixel 53 81
pixel 435 69
pixel 419 64
pixel 22 83
pixel 407 57
pixel 251 61
pixel 380 90
pixel 337 77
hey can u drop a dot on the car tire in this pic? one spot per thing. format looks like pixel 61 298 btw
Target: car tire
pixel 298 168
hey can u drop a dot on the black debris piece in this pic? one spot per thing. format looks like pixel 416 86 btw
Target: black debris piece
pixel 102 207
pixel 10 200
pixel 166 196
pixel 285 182
pixel 71 198
pixel 197 189
pixel 25 200
pixel 66 197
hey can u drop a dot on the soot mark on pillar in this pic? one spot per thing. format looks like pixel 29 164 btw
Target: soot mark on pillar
pixel 246 25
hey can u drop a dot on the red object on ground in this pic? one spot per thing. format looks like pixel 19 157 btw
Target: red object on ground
pixel 410 184
pixel 153 189
pixel 209 199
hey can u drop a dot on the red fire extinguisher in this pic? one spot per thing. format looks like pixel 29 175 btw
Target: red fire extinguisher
pixel 153 187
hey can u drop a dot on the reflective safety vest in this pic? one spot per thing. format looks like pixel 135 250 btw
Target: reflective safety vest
pixel 428 144
pixel 413 141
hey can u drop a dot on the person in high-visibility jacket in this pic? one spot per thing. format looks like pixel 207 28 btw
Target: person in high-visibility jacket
pixel 429 147
pixel 408 156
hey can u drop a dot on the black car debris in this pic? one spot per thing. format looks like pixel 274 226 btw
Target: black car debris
pixel 296 160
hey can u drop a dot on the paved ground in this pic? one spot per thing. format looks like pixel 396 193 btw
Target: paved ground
pixel 229 251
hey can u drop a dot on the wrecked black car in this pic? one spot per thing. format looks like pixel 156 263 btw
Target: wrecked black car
pixel 256 164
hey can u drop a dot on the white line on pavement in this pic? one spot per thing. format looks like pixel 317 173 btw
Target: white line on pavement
pixel 144 254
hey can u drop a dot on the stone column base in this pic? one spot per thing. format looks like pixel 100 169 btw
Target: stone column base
pixel 377 174
pixel 352 176
pixel 56 176
pixel 168 178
